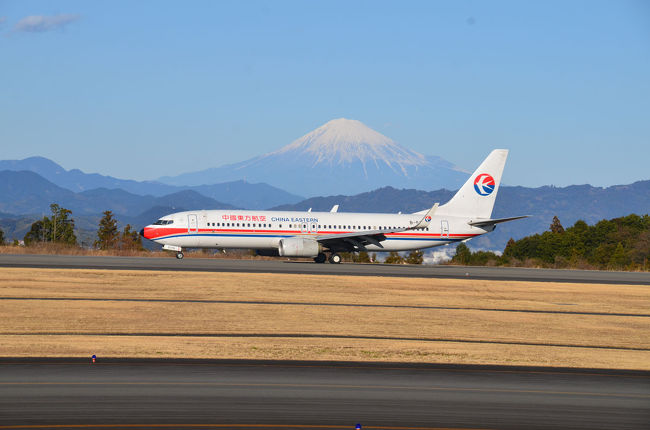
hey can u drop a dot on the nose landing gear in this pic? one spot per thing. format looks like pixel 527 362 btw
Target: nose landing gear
pixel 178 249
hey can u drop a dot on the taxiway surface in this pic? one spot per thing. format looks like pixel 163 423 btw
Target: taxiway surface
pixel 310 395
pixel 301 267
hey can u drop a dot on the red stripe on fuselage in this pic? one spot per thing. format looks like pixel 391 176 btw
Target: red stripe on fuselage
pixel 157 233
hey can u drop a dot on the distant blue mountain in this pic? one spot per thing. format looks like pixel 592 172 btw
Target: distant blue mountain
pixel 237 193
pixel 75 180
pixel 26 192
pixel 342 156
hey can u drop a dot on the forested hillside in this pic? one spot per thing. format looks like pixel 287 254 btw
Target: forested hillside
pixel 617 244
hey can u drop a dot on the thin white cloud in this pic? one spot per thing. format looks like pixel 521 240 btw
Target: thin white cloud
pixel 43 23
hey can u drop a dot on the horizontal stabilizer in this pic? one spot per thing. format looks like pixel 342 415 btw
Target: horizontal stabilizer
pixel 484 222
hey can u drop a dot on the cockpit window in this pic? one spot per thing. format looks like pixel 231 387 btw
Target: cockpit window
pixel 163 222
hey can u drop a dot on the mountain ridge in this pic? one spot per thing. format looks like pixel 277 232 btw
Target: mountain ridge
pixel 26 192
pixel 238 193
pixel 342 155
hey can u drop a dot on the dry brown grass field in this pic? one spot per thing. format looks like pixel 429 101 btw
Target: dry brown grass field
pixel 314 317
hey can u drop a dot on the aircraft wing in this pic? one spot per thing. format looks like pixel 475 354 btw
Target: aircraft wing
pixel 484 222
pixel 356 241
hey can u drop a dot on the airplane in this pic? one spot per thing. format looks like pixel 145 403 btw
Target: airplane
pixel 323 235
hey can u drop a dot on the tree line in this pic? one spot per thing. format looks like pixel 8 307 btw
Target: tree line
pixel 616 244
pixel 58 228
pixel 413 257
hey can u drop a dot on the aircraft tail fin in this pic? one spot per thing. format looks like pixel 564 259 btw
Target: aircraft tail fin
pixel 476 197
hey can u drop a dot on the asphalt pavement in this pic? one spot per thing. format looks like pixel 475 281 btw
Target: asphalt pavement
pixel 212 394
pixel 302 267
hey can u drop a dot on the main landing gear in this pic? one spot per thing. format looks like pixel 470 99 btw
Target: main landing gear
pixel 333 259
pixel 320 258
pixel 179 255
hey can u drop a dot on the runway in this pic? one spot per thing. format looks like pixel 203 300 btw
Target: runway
pixel 309 268
pixel 241 394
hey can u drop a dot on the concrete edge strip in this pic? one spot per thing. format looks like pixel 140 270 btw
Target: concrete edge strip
pixel 324 364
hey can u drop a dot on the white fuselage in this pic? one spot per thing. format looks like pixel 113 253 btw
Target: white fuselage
pixel 265 229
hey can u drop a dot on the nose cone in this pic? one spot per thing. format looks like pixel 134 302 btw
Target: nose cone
pixel 146 233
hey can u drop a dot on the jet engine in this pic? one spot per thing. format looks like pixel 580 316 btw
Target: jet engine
pixel 298 247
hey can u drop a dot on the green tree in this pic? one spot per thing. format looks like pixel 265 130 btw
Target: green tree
pixel 463 254
pixel 107 234
pixel 130 239
pixel 59 228
pixel 602 254
pixel 415 257
pixel 362 257
pixel 2 237
pixel 394 258
pixel 484 258
pixel 62 226
pixel 618 259
pixel 640 252
pixel 509 250
pixel 556 226
pixel 36 233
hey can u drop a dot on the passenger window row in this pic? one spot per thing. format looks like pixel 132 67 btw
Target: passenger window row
pixel 329 227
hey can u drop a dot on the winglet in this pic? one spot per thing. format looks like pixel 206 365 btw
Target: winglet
pixel 426 219
pixel 335 208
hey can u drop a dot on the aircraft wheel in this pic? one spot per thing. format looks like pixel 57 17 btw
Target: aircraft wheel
pixel 320 258
pixel 179 255
pixel 335 259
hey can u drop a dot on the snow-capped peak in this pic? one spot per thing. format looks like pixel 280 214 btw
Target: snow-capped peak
pixel 343 141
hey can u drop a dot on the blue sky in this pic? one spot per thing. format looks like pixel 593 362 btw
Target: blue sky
pixel 149 88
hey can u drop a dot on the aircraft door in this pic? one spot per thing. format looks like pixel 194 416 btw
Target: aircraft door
pixel 192 224
pixel 444 228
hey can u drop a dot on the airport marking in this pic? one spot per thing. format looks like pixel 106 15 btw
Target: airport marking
pixel 337 386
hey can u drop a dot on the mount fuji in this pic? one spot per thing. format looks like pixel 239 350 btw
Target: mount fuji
pixel 343 156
